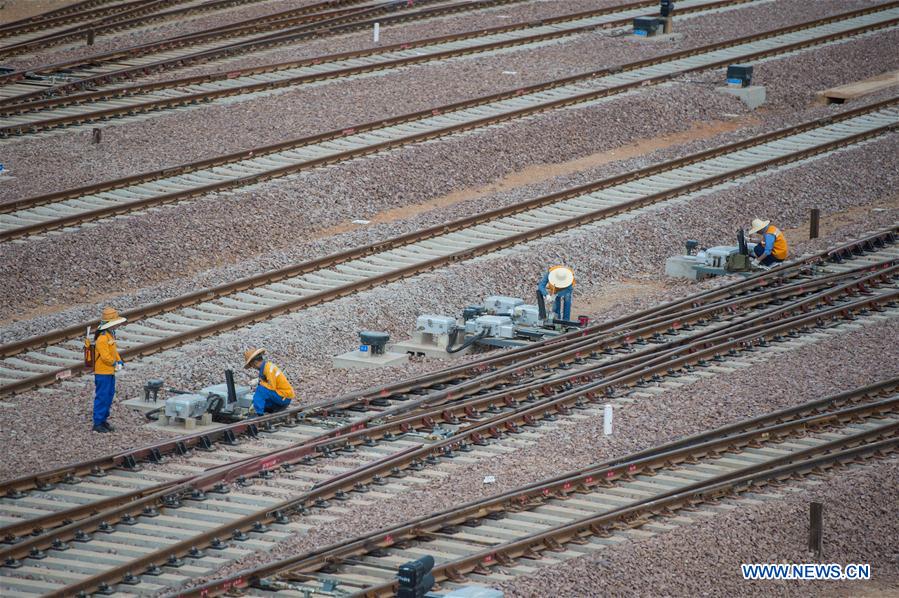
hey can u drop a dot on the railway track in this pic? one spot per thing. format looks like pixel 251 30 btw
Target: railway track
pixel 71 207
pixel 588 510
pixel 579 372
pixel 59 29
pixel 179 51
pixel 57 355
pixel 109 102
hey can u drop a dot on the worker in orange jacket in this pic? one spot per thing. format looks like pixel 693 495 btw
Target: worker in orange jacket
pixel 106 364
pixel 273 392
pixel 773 246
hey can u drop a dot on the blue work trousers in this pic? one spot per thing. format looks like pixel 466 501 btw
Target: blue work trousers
pixel 562 304
pixel 758 250
pixel 104 391
pixel 266 400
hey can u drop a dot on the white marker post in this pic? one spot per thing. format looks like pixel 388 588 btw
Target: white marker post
pixel 607 420
pixel 377 32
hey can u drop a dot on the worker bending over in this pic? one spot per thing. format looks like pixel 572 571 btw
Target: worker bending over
pixel 558 282
pixel 107 362
pixel 273 392
pixel 773 246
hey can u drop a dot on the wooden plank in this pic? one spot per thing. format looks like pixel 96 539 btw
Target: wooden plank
pixel 858 89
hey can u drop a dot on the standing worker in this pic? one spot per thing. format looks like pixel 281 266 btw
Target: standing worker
pixel 558 281
pixel 273 392
pixel 773 246
pixel 106 363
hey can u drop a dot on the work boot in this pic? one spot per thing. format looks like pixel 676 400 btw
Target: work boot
pixel 108 426
pixel 100 428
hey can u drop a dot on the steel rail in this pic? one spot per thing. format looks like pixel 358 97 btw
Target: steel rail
pixel 55 336
pixel 809 461
pixel 377 280
pixel 288 18
pixel 341 22
pixel 190 98
pixel 370 148
pixel 599 475
pixel 362 432
pixel 139 16
pixel 494 427
pixel 72 12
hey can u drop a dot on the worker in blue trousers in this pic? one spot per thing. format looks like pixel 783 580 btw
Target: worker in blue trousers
pixel 558 282
pixel 772 248
pixel 273 391
pixel 107 362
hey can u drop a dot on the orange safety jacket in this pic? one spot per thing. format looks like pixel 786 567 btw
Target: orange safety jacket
pixel 272 378
pixel 779 251
pixel 107 354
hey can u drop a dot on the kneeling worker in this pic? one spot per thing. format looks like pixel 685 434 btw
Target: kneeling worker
pixel 773 247
pixel 558 281
pixel 274 392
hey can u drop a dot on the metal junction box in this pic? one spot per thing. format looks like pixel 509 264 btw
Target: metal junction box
pixel 186 405
pixel 527 315
pixel 492 324
pixel 501 306
pixel 244 394
pixel 437 325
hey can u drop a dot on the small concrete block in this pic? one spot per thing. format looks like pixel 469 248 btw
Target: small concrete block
pixel 206 419
pixel 190 423
pixel 659 37
pixel 413 348
pixel 363 360
pixel 681 266
pixel 753 96
pixel 143 406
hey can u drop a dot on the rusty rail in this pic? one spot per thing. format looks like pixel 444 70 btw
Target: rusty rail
pixel 106 94
pixel 495 427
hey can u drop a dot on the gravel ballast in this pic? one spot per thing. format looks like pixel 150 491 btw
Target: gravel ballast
pixel 68 160
pixel 302 342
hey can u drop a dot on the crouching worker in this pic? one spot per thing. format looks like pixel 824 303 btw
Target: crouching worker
pixel 773 247
pixel 273 392
pixel 558 281
pixel 106 363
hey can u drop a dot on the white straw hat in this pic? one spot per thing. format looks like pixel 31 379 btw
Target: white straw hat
pixel 757 225
pixel 561 277
pixel 110 318
pixel 250 354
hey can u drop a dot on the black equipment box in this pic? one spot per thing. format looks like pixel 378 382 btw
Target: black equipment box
pixel 646 25
pixel 739 74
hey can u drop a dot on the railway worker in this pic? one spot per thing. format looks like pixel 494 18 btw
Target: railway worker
pixel 558 281
pixel 273 391
pixel 106 363
pixel 773 246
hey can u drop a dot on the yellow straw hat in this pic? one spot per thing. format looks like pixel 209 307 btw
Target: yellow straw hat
pixel 757 225
pixel 561 278
pixel 250 354
pixel 110 318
